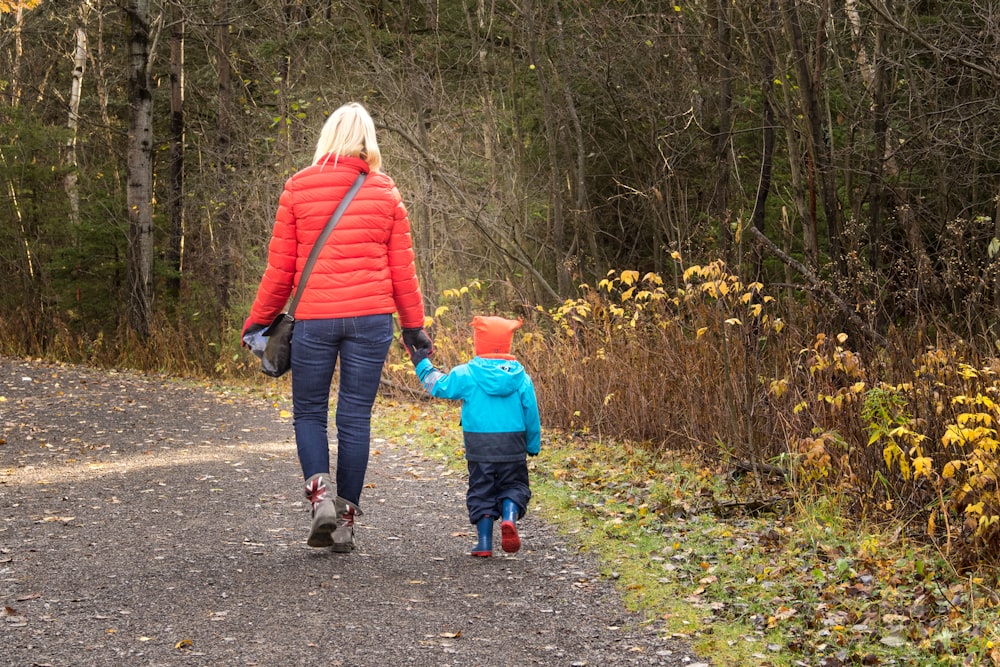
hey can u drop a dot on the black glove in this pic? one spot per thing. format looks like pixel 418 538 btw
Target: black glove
pixel 418 344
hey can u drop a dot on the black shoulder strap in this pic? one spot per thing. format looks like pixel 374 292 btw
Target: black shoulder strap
pixel 314 254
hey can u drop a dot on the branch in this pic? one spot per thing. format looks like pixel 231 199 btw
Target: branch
pixel 818 285
pixel 894 22
pixel 440 171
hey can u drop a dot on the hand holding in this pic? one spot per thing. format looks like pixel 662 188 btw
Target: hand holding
pixel 418 344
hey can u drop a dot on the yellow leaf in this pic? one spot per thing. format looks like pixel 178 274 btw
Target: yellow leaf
pixel 734 321
pixel 968 372
pixel 922 465
pixel 629 277
pixel 284 414
pixel 441 310
pixel 701 332
pixel 975 509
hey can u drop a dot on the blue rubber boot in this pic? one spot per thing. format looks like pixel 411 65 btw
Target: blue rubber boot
pixel 509 539
pixel 484 547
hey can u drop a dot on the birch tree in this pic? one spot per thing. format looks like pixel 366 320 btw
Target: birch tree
pixel 139 170
pixel 73 124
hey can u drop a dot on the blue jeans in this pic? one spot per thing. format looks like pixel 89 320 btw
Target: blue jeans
pixel 362 344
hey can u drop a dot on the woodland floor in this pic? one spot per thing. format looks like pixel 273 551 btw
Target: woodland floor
pixel 150 521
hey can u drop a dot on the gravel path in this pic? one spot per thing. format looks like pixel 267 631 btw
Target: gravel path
pixel 148 521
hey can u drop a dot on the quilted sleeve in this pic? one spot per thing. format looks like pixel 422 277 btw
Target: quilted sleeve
pixel 279 277
pixel 405 286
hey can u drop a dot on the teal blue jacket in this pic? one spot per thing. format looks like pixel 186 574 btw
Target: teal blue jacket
pixel 500 420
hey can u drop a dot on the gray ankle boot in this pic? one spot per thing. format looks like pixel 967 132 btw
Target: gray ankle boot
pixel 319 491
pixel 343 536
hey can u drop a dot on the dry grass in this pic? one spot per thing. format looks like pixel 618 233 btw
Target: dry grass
pixel 709 367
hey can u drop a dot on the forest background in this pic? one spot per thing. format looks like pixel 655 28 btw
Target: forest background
pixel 764 235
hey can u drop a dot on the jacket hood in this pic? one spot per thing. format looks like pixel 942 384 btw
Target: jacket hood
pixel 497 377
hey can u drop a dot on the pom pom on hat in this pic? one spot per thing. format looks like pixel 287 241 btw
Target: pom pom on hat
pixel 492 335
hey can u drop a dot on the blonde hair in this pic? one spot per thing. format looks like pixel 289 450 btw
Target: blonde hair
pixel 349 132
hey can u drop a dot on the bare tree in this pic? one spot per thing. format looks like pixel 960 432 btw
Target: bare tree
pixel 817 131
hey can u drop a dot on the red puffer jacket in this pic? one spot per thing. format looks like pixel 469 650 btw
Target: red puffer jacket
pixel 366 266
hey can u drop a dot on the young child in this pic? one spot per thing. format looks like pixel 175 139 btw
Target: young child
pixel 500 425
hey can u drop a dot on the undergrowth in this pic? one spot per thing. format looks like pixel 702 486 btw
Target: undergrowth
pixel 707 366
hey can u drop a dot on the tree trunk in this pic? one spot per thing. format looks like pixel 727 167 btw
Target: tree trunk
pixel 175 201
pixel 557 222
pixel 224 213
pixel 139 166
pixel 589 270
pixel 819 147
pixel 420 211
pixel 79 65
pixel 877 79
pixel 15 79
pixel 723 137
pixel 101 85
pixel 757 218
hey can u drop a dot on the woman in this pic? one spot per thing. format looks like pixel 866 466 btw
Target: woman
pixel 364 274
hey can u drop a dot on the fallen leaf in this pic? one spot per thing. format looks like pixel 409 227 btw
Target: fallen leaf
pixel 184 644
pixel 450 635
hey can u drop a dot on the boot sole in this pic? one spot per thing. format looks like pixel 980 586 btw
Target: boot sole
pixel 321 535
pixel 343 546
pixel 509 540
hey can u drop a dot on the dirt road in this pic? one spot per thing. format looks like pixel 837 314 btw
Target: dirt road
pixel 148 521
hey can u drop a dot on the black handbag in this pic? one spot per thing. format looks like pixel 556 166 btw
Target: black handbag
pixel 277 357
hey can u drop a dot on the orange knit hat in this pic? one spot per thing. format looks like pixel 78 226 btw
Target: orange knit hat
pixel 491 336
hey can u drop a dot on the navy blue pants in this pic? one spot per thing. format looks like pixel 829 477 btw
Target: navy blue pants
pixel 490 483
